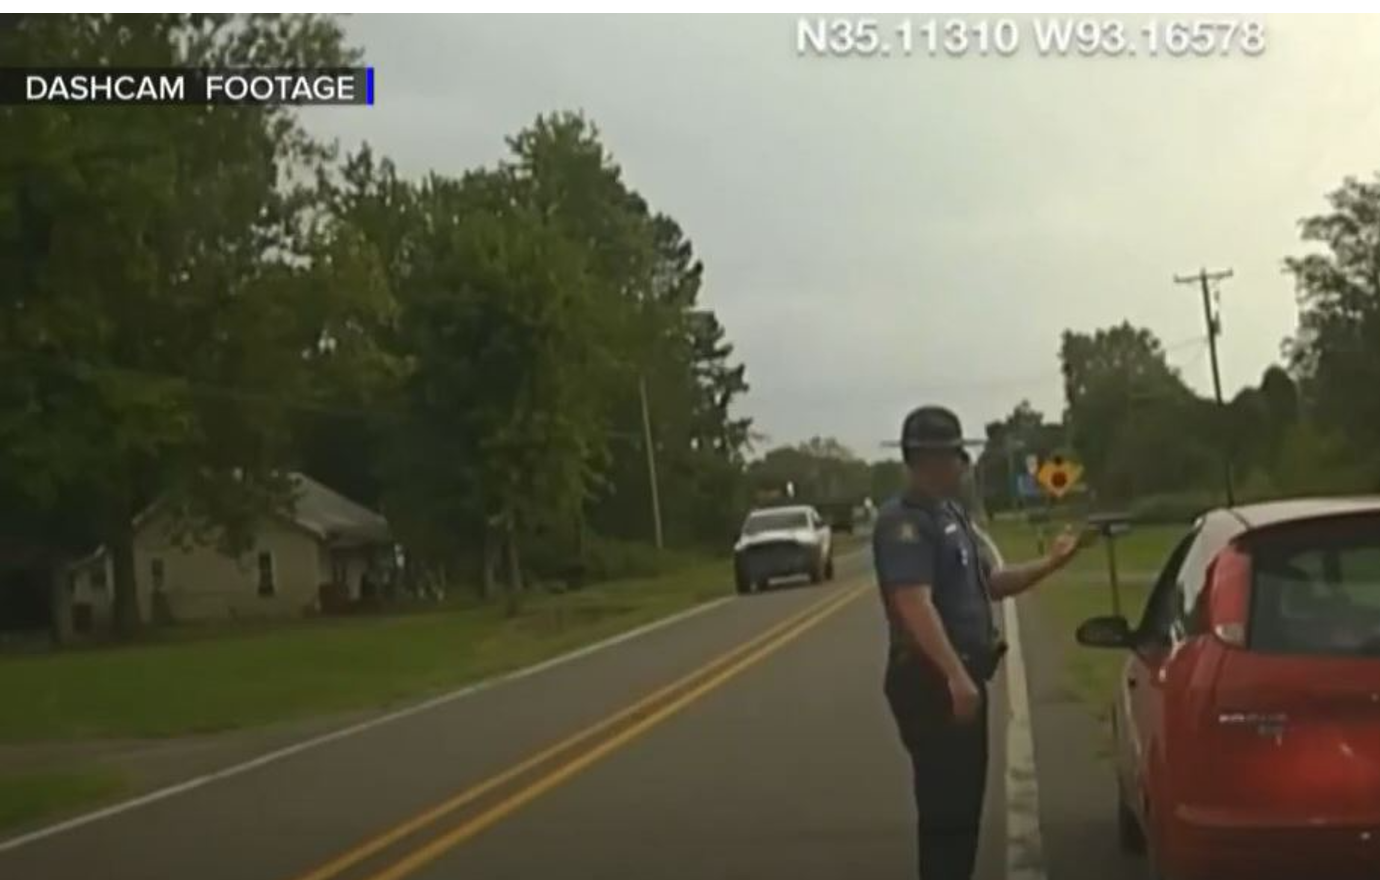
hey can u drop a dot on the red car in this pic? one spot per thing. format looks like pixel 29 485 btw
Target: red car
pixel 1247 718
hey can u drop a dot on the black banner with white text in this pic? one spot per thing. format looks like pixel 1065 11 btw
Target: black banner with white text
pixel 347 86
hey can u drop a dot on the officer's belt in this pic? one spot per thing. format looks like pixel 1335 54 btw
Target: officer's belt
pixel 983 666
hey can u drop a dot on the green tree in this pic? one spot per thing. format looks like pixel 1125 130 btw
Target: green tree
pixel 819 470
pixel 38 534
pixel 644 270
pixel 1156 452
pixel 1021 433
pixel 373 221
pixel 720 382
pixel 1336 352
pixel 1280 396
pixel 535 297
pixel 1113 377
pixel 168 285
pixel 885 479
pixel 1250 431
pixel 511 345
pixel 1317 461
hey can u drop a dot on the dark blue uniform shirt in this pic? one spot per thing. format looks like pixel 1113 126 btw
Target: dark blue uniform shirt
pixel 923 541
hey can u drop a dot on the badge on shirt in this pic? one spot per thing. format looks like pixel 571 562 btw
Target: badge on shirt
pixel 907 533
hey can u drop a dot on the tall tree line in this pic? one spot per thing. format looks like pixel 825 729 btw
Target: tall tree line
pixel 198 300
pixel 1310 425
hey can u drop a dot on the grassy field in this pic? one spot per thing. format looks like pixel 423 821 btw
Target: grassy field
pixel 1083 590
pixel 31 796
pixel 310 668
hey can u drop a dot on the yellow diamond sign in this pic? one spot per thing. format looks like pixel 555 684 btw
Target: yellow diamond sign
pixel 1058 475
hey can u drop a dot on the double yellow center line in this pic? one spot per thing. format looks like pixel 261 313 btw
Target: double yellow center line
pixel 639 717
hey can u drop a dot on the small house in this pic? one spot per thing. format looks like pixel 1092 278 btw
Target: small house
pixel 324 544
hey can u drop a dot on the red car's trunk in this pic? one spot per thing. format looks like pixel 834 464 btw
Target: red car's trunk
pixel 1295 741
pixel 1292 727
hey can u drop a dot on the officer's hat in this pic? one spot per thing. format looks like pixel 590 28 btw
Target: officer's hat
pixel 933 429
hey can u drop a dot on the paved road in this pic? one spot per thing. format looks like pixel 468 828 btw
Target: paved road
pixel 747 741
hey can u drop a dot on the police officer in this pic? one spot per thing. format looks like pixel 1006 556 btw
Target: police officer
pixel 945 647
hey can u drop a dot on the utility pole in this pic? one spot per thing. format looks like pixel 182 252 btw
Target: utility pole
pixel 1204 279
pixel 651 460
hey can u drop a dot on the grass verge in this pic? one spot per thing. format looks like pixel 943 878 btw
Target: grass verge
pixel 30 796
pixel 323 666
pixel 1083 590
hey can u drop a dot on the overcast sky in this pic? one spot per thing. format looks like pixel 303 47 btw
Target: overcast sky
pixel 880 233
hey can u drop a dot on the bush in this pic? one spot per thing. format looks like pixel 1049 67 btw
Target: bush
pixel 1312 461
pixel 561 565
pixel 609 559
pixel 1173 507
pixel 1182 507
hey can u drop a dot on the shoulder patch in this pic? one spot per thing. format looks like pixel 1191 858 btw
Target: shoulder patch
pixel 906 532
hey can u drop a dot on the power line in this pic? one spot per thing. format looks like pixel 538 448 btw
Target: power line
pixel 1198 355
pixel 1190 342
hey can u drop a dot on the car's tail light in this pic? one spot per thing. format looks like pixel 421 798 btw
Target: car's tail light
pixel 1229 596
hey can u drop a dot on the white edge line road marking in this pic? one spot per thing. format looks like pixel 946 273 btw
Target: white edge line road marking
pixel 1024 845
pixel 342 733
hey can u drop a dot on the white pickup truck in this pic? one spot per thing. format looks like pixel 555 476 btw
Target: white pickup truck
pixel 779 542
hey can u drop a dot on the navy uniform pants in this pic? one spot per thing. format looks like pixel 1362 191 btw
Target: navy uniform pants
pixel 949 761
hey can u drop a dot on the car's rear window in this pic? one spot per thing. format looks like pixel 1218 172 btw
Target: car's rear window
pixel 779 520
pixel 1316 588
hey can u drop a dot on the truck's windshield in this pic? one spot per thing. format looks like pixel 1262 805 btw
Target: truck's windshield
pixel 776 520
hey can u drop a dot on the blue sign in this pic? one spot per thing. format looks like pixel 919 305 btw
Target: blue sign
pixel 1026 487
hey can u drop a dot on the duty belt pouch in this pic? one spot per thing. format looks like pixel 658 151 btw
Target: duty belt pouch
pixel 985 664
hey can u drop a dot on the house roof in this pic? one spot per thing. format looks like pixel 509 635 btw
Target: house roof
pixel 317 508
pixel 333 517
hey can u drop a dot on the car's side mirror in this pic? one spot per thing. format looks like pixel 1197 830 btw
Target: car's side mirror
pixel 1104 632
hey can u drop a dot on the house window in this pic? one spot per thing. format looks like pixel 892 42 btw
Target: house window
pixel 156 574
pixel 98 579
pixel 267 584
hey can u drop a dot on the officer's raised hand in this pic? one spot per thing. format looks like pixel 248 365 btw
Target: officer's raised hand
pixel 1015 579
pixel 1067 545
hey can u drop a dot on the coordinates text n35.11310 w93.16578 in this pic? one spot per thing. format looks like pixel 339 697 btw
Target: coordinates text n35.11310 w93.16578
pixel 856 37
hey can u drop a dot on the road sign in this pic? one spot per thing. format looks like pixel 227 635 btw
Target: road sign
pixel 1058 475
pixel 1026 487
